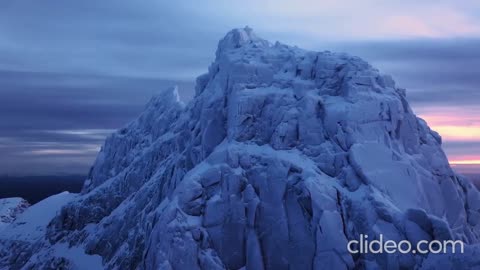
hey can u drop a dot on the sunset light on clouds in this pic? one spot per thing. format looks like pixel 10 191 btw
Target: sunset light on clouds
pixel 466 161
pixel 456 125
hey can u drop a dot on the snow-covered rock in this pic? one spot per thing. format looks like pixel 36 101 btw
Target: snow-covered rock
pixel 24 234
pixel 10 208
pixel 281 158
pixel 32 223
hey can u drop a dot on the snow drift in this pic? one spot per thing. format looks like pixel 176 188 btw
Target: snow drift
pixel 281 158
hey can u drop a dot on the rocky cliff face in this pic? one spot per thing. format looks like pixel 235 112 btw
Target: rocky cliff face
pixel 281 158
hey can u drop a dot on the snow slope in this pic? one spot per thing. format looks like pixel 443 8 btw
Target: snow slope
pixel 281 158
pixel 32 223
pixel 10 208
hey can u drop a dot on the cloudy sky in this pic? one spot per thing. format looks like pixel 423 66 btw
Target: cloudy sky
pixel 73 71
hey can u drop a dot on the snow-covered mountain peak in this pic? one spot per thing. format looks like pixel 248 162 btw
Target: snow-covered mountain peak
pixel 164 99
pixel 237 38
pixel 282 157
pixel 248 61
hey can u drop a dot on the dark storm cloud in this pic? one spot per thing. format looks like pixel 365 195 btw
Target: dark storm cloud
pixel 108 37
pixel 53 101
pixel 55 123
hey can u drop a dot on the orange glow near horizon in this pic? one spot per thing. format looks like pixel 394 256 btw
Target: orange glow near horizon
pixel 465 162
pixel 458 133
pixel 456 125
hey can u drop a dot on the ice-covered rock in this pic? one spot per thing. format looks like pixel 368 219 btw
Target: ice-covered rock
pixel 281 158
pixel 27 231
pixel 32 223
pixel 10 208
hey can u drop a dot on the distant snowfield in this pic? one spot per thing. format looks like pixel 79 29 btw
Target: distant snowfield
pixel 31 224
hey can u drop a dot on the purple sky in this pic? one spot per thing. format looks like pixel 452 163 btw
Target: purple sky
pixel 71 72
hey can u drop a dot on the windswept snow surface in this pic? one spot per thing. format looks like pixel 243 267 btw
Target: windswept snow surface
pixel 10 208
pixel 31 225
pixel 281 158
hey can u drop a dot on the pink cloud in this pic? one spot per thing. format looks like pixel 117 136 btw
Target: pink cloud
pixel 406 25
pixel 453 123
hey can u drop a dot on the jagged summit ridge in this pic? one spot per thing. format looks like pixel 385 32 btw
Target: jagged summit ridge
pixel 281 158
pixel 238 38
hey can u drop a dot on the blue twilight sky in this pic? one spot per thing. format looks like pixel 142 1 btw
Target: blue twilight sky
pixel 73 71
